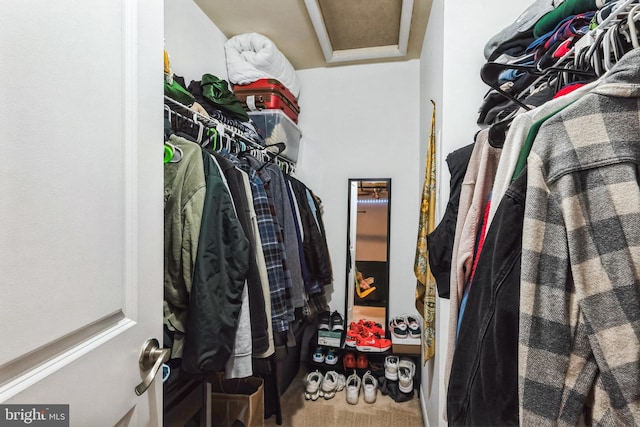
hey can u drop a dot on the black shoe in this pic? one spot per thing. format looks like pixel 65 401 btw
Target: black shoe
pixel 337 322
pixel 324 321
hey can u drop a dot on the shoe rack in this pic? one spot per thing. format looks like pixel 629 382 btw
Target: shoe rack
pixel 334 355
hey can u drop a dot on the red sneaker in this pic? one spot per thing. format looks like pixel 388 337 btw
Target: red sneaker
pixel 373 344
pixel 362 362
pixel 350 340
pixel 371 326
pixel 355 330
pixel 349 360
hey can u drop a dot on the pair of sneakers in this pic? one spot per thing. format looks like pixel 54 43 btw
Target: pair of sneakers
pixel 324 355
pixel 401 370
pixel 327 385
pixel 368 384
pixel 405 326
pixel 328 321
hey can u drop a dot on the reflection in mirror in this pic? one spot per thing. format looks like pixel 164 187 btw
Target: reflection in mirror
pixel 368 250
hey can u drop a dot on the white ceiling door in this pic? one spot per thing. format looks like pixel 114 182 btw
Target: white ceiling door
pixel 80 206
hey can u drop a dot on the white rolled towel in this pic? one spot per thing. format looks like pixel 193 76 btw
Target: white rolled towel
pixel 252 56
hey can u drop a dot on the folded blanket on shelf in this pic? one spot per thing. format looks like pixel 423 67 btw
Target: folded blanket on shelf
pixel 252 56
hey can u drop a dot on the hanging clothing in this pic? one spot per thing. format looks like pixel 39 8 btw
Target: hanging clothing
pixel 222 262
pixel 308 284
pixel 239 364
pixel 476 187
pixel 275 185
pixel 314 244
pixel 272 250
pixel 259 330
pixel 516 138
pixel 426 283
pixel 580 278
pixel 483 386
pixel 440 240
pixel 261 266
pixel 184 195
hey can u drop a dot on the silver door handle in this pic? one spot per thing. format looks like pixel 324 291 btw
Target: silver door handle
pixel 151 359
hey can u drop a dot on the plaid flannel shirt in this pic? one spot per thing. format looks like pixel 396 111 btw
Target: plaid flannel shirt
pixel 272 248
pixel 579 351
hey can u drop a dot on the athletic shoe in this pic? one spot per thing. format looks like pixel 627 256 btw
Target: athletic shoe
pixel 332 383
pixel 373 344
pixel 350 341
pixel 312 390
pixel 324 321
pixel 362 362
pixel 349 360
pixel 391 368
pixel 406 370
pixel 337 322
pixel 353 389
pixel 398 327
pixel 372 327
pixel 355 330
pixel 331 358
pixel 318 355
pixel 413 326
pixel 369 387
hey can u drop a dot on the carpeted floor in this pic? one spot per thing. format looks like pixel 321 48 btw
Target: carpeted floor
pixel 385 412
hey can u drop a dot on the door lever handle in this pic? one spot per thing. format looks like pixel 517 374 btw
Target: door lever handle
pixel 151 359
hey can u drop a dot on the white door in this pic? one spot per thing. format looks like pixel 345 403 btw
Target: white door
pixel 80 206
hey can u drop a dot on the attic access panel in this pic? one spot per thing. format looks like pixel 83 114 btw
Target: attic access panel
pixel 361 29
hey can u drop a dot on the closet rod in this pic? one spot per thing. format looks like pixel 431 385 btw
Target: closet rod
pixel 214 123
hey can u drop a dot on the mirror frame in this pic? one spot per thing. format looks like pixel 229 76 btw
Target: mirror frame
pixel 350 255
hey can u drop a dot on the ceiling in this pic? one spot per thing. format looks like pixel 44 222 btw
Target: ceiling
pixel 321 33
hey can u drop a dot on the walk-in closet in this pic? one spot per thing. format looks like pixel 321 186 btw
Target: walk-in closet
pixel 365 213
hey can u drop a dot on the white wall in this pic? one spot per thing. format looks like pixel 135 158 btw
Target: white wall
pixel 194 43
pixel 363 121
pixel 450 63
pixel 431 78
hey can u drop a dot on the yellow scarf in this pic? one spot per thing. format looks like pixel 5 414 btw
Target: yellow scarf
pixel 426 283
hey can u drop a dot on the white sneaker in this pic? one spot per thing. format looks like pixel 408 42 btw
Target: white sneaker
pixel 318 355
pixel 312 391
pixel 353 389
pixel 369 387
pixel 332 383
pixel 406 370
pixel 391 368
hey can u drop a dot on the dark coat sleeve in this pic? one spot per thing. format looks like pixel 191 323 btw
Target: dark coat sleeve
pixel 220 272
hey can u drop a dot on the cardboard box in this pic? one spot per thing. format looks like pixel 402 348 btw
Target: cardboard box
pixel 330 338
pixel 406 345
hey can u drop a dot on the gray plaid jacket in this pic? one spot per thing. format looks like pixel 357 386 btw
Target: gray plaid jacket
pixel 579 351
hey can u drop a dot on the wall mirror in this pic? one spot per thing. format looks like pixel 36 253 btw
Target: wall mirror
pixel 369 214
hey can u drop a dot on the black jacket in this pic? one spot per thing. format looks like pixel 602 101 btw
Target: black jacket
pixel 316 252
pixel 483 386
pixel 259 328
pixel 219 275
pixel 440 240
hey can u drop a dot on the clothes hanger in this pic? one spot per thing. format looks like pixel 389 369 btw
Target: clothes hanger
pixel 271 155
pixel 200 129
pixel 172 153
pixel 168 153
pixel 631 22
